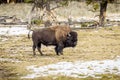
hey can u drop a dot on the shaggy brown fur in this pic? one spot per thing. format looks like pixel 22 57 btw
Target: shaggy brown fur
pixel 61 31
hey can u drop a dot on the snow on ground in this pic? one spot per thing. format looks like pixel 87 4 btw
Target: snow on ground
pixel 80 69
pixel 9 60
pixel 16 30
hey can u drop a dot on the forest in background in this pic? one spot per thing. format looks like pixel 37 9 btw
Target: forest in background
pixel 50 10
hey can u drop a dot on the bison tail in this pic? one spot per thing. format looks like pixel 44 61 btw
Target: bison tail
pixel 29 34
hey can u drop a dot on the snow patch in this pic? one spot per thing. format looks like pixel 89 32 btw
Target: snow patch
pixel 10 60
pixel 76 69
pixel 13 30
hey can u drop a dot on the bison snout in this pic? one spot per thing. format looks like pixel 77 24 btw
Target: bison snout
pixel 74 44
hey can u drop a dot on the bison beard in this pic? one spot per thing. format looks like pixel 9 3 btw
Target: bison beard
pixel 47 36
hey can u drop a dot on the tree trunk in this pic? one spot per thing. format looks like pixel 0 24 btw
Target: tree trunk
pixel 103 7
pixel 48 22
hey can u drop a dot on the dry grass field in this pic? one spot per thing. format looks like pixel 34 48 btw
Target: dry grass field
pixel 93 44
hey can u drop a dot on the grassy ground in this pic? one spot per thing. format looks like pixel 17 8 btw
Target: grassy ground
pixel 93 44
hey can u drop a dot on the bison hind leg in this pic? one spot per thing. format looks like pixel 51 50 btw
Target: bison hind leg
pixel 39 48
pixel 34 47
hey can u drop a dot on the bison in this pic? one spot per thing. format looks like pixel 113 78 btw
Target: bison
pixel 49 36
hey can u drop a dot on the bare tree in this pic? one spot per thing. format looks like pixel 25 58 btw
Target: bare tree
pixel 45 5
pixel 103 9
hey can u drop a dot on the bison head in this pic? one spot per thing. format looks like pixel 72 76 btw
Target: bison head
pixel 71 40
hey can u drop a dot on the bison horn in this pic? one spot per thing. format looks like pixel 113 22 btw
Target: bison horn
pixel 68 35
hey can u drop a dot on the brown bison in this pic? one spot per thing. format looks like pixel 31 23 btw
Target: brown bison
pixel 53 36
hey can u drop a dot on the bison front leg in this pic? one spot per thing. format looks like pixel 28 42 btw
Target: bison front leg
pixel 59 49
pixel 56 50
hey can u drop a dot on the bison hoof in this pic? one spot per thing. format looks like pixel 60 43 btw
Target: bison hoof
pixel 41 54
pixel 61 53
pixel 58 54
pixel 34 55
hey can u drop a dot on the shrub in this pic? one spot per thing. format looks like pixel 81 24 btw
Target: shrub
pixel 37 22
pixel 28 1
